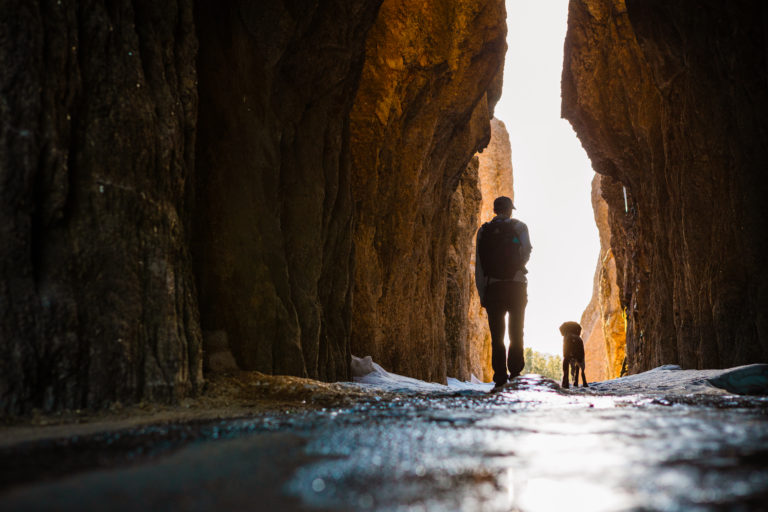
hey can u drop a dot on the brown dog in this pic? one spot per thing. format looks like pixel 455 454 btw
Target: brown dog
pixel 573 354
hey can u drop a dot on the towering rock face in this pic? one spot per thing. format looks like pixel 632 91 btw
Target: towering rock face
pixel 463 353
pixel 495 174
pixel 603 321
pixel 273 239
pixel 668 98
pixel 138 221
pixel 432 75
pixel 97 298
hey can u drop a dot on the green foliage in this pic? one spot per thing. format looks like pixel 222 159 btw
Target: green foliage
pixel 544 364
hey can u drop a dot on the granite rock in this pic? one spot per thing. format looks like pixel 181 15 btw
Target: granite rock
pixel 603 321
pixel 668 98
pixel 432 75
pixel 97 296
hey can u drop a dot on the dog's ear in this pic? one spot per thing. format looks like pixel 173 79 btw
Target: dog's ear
pixel 570 327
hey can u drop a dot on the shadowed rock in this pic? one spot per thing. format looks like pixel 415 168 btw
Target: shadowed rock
pixel 668 99
pixel 273 241
pixel 97 298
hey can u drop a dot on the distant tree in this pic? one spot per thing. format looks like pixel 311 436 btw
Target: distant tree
pixel 545 365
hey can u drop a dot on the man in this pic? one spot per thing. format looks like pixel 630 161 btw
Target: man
pixel 503 249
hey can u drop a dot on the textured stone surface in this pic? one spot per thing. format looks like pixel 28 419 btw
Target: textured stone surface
pixel 495 175
pixel 140 224
pixel 98 109
pixel 669 98
pixel 273 251
pixel 463 353
pixel 432 75
pixel 603 322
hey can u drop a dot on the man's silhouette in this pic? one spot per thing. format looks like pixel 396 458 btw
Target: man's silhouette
pixel 503 249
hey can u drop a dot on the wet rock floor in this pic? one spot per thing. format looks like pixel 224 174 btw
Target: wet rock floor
pixel 531 448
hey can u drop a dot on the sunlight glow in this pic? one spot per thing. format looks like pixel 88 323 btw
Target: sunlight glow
pixel 551 171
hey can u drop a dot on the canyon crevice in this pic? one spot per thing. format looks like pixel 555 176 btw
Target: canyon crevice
pixel 294 182
pixel 188 180
pixel 272 227
pixel 668 100
pixel 603 322
pixel 432 75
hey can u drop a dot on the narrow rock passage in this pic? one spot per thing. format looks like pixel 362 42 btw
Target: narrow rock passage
pixel 534 447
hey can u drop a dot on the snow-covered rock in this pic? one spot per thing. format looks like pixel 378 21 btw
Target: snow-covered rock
pixel 671 379
pixel 664 380
pixel 380 378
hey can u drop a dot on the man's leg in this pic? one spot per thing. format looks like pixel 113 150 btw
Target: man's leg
pixel 498 359
pixel 516 360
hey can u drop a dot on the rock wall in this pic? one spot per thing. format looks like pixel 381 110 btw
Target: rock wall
pixel 603 321
pixel 273 239
pixel 176 180
pixel 98 108
pixel 463 354
pixel 432 75
pixel 495 174
pixel 668 99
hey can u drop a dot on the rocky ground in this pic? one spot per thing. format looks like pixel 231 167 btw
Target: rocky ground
pixel 664 440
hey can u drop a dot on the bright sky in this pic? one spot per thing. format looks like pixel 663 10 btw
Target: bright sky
pixel 551 170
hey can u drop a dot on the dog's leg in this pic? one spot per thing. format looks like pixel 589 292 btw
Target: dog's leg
pixel 565 374
pixel 575 374
pixel 583 377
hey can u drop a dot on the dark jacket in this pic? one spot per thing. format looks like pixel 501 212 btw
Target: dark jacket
pixel 481 280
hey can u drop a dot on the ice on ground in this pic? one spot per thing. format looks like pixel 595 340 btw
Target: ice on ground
pixel 671 379
pixel 370 374
pixel 664 380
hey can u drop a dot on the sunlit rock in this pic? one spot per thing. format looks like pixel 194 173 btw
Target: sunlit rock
pixel 669 101
pixel 432 74
pixel 603 320
pixel 462 354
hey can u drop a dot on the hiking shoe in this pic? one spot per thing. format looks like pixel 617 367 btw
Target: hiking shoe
pixel 497 388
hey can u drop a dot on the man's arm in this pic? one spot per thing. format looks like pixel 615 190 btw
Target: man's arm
pixel 480 280
pixel 525 242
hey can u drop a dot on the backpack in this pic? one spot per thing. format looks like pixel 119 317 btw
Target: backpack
pixel 500 249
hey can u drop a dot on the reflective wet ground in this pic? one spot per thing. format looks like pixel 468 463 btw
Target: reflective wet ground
pixel 531 448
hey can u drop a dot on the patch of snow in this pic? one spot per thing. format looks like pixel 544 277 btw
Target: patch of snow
pixel 380 378
pixel 664 380
pixel 672 380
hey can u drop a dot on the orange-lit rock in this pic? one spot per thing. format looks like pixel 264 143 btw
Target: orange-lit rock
pixel 669 99
pixel 495 173
pixel 464 356
pixel 603 322
pixel 432 74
